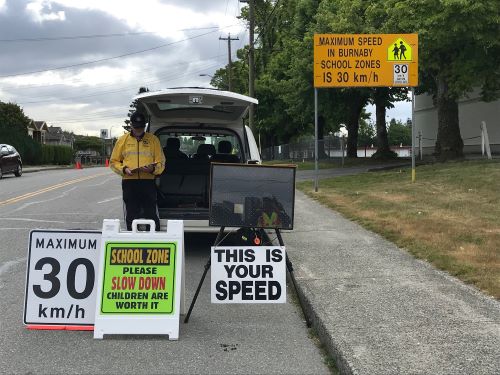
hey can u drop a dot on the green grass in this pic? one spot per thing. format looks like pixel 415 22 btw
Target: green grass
pixel 333 163
pixel 450 216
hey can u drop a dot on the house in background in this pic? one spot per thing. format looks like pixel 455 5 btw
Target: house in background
pixel 38 131
pixel 471 112
pixel 56 136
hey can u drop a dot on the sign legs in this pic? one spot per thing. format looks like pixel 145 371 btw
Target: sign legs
pixel 207 267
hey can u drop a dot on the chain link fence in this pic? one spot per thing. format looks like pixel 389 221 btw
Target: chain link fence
pixel 330 147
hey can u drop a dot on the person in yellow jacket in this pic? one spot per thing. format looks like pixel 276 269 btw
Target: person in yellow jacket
pixel 138 158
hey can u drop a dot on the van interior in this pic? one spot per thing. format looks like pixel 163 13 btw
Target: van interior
pixel 183 188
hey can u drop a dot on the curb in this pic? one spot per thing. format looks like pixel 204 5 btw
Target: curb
pixel 31 170
pixel 332 347
pixel 53 168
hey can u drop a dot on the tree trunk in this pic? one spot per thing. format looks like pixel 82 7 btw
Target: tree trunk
pixel 449 143
pixel 381 95
pixel 353 126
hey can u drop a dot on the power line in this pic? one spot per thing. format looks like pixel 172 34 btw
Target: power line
pixel 267 21
pixel 110 58
pixel 127 88
pixel 92 36
pixel 183 64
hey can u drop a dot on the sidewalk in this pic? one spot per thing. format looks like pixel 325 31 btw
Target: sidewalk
pixel 378 310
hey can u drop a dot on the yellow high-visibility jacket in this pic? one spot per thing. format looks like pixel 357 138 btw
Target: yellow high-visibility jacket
pixel 131 153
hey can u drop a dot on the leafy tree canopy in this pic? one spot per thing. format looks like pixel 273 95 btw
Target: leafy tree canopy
pixel 399 133
pixel 13 119
pixel 84 143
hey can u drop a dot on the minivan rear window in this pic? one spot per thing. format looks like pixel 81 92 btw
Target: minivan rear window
pixel 190 141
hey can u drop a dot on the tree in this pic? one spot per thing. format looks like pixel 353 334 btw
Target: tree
pixel 239 77
pixel 14 131
pixel 459 50
pixel 13 120
pixel 85 143
pixel 361 17
pixel 399 133
pixel 366 133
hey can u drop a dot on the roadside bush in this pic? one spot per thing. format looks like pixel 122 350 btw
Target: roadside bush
pixel 29 149
pixel 55 154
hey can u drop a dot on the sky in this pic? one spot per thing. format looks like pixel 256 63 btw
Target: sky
pixel 77 64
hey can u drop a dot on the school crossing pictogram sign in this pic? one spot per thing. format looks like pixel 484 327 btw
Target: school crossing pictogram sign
pixel 365 60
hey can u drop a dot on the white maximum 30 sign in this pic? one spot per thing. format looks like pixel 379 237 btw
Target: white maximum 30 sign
pixel 248 275
pixel 60 277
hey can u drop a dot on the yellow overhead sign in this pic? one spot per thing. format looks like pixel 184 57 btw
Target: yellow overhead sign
pixel 365 60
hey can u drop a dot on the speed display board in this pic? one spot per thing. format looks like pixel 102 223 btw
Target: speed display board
pixel 60 277
pixel 365 60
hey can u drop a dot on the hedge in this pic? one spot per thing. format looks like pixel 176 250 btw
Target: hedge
pixel 33 153
pixel 56 155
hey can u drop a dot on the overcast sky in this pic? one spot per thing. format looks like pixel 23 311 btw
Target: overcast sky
pixel 50 66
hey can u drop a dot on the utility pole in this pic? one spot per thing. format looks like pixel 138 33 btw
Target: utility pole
pixel 251 62
pixel 230 68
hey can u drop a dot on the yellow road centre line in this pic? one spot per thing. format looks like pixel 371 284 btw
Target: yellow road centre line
pixel 47 189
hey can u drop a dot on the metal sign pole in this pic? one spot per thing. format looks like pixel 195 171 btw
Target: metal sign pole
pixel 315 139
pixel 413 172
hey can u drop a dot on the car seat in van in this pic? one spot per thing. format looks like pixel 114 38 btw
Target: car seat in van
pixel 204 151
pixel 224 153
pixel 172 149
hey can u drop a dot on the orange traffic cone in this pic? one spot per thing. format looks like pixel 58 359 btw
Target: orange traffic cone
pixel 78 165
pixel 107 162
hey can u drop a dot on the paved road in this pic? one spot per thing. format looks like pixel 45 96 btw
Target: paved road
pixel 218 339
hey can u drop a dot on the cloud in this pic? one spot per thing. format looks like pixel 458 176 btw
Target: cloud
pixel 41 10
pixel 96 96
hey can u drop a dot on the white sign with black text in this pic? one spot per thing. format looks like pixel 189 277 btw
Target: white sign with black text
pixel 60 277
pixel 248 274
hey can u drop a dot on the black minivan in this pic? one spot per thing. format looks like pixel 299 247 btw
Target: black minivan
pixel 10 161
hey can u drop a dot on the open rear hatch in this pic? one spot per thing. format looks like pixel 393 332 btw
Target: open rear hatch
pixel 194 106
pixel 183 188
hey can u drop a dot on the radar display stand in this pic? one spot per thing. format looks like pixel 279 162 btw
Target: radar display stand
pixel 289 267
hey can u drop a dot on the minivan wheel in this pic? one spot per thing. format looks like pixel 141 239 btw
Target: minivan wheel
pixel 1 173
pixel 19 170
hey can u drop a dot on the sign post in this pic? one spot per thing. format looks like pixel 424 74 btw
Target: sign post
pixel 365 60
pixel 316 171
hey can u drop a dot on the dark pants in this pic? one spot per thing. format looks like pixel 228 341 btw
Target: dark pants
pixel 139 197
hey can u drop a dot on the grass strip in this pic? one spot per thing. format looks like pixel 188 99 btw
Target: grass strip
pixel 449 217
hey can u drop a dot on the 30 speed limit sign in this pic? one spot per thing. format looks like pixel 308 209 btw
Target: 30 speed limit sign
pixel 60 277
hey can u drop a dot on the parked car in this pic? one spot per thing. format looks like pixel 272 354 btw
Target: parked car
pixel 10 161
pixel 196 127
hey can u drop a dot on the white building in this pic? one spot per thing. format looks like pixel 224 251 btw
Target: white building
pixel 472 111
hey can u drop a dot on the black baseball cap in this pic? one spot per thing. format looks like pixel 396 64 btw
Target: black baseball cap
pixel 138 120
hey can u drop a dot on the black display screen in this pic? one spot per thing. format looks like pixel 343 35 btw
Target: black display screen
pixel 252 196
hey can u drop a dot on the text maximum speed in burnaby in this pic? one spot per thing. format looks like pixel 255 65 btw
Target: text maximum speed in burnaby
pixel 60 277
